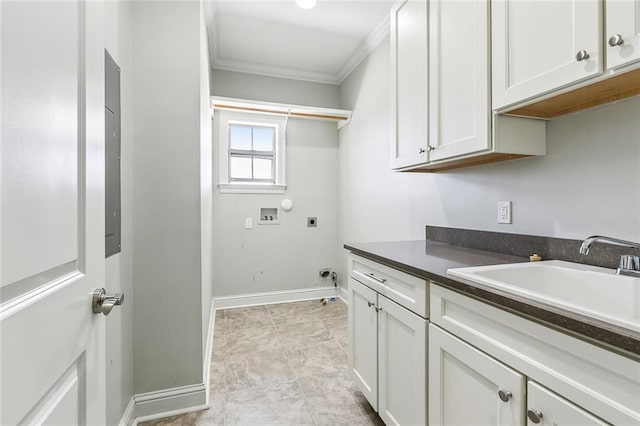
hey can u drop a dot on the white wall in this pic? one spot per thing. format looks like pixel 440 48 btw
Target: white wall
pixel 272 89
pixel 206 182
pixel 586 184
pixel 166 195
pixel 289 255
pixel 119 267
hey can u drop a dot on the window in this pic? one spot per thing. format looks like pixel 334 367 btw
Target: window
pixel 252 153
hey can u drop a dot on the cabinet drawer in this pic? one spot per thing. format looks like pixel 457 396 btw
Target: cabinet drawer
pixel 600 381
pixel 555 410
pixel 404 289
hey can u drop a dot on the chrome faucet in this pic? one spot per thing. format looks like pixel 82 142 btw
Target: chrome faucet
pixel 629 264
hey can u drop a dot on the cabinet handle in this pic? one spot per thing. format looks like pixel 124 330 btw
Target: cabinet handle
pixel 370 304
pixel 378 309
pixel 504 395
pixel 582 55
pixel 421 151
pixel 534 415
pixel 380 280
pixel 431 148
pixel 616 40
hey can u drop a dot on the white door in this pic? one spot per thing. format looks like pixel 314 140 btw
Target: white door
pixel 459 99
pixel 548 408
pixel 467 387
pixel 409 83
pixel 363 340
pixel 402 365
pixel 539 46
pixel 622 32
pixel 51 212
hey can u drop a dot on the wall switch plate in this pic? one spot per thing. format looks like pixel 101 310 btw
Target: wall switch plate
pixel 248 223
pixel 504 211
pixel 312 222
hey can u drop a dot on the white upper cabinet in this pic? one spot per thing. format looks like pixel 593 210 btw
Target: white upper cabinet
pixel 540 46
pixel 408 83
pixel 622 32
pixel 459 102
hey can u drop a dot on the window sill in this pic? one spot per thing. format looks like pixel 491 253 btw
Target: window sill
pixel 229 188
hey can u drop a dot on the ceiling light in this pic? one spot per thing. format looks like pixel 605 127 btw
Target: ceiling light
pixel 306 4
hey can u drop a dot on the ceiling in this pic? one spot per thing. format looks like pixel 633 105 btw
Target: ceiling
pixel 277 38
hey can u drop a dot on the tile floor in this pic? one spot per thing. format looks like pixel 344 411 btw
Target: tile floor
pixel 283 364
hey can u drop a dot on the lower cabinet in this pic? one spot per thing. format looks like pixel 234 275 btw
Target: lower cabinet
pixel 468 387
pixel 473 388
pixel 548 408
pixel 388 345
pixel 489 367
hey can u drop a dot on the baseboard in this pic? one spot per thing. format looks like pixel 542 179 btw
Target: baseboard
pixel 127 417
pixel 254 299
pixel 343 294
pixel 206 367
pixel 170 402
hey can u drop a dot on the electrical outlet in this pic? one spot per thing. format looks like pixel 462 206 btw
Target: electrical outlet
pixel 504 211
pixel 248 223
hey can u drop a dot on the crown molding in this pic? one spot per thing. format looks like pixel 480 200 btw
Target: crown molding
pixel 379 33
pixel 364 49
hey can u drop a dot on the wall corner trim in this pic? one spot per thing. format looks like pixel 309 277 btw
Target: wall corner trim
pixel 343 294
pixel 127 417
pixel 206 370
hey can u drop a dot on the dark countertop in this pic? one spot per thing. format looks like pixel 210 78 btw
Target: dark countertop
pixel 430 260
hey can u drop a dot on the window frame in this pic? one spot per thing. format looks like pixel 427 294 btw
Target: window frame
pixel 227 118
pixel 252 153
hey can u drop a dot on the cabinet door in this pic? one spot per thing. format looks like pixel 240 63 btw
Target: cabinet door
pixel 459 102
pixel 402 372
pixel 363 340
pixel 408 83
pixel 464 385
pixel 536 43
pixel 548 408
pixel 623 21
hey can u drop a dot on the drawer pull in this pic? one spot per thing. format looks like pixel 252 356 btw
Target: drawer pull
pixel 370 304
pixel 534 415
pixel 504 395
pixel 380 280
pixel 378 309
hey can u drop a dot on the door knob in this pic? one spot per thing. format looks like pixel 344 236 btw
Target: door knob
pixel 504 395
pixel 103 302
pixel 582 55
pixel 616 40
pixel 535 416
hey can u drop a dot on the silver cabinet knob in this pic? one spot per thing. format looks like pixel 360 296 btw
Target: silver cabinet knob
pixel 582 55
pixel 421 151
pixel 370 304
pixel 378 309
pixel 102 302
pixel 616 40
pixel 504 395
pixel 534 415
pixel 431 148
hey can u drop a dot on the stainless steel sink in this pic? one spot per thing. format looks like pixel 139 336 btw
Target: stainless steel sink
pixel 588 290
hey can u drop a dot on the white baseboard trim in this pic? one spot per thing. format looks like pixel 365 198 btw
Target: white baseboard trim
pixel 254 299
pixel 127 417
pixel 343 294
pixel 170 402
pixel 206 367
